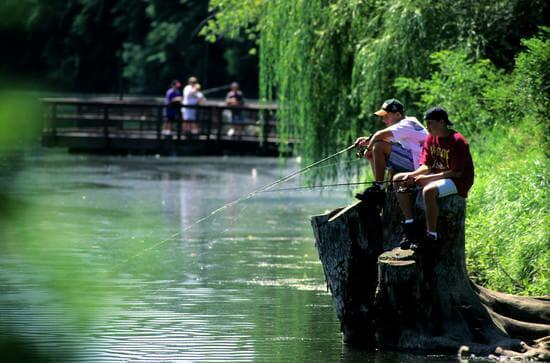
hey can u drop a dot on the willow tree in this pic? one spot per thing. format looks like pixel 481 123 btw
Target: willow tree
pixel 330 63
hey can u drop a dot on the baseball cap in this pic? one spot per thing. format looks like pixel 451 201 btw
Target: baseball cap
pixel 192 80
pixel 437 113
pixel 391 105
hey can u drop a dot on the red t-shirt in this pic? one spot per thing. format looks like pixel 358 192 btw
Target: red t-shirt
pixel 450 153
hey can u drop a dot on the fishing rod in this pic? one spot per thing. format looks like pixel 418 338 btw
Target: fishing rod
pixel 216 89
pixel 323 186
pixel 243 198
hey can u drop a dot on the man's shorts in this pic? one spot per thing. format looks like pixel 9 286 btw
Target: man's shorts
pixel 444 187
pixel 400 159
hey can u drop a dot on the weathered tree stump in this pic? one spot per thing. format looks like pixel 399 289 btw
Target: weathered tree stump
pixel 394 299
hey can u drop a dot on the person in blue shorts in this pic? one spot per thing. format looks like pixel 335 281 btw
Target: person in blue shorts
pixel 172 100
pixel 397 147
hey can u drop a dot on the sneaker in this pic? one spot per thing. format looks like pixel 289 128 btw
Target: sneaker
pixel 426 243
pixel 410 235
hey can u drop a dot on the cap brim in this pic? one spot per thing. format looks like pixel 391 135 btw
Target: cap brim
pixel 381 113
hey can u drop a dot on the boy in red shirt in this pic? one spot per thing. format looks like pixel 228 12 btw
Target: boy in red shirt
pixel 446 168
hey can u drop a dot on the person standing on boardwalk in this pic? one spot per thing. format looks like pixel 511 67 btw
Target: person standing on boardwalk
pixel 446 168
pixel 172 100
pixel 235 98
pixel 190 97
pixel 396 147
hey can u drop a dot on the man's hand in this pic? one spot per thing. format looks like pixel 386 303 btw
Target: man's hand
pixel 368 154
pixel 362 142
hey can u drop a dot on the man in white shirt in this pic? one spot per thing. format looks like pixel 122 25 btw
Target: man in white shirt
pixel 190 97
pixel 397 147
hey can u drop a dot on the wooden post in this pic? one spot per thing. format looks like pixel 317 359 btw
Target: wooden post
pixel 220 124
pixel 265 126
pixel 208 123
pixel 54 123
pixel 159 123
pixel 106 126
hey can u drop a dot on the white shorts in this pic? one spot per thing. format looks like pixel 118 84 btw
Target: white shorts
pixel 444 187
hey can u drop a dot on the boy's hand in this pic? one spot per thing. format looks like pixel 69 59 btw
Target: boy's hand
pixel 408 179
pixel 422 180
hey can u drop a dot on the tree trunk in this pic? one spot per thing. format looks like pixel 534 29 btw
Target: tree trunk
pixel 395 299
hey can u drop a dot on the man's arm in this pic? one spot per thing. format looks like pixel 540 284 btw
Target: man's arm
pixel 381 135
pixel 368 141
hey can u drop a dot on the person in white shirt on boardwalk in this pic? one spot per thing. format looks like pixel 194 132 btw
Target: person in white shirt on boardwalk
pixel 191 96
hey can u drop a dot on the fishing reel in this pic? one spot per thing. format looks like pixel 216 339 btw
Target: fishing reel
pixel 406 187
pixel 361 152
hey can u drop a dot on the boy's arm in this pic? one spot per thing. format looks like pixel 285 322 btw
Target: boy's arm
pixel 422 170
pixel 411 177
pixel 447 174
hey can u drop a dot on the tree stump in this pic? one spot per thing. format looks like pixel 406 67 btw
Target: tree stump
pixel 395 299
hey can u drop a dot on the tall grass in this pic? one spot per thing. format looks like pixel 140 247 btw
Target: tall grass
pixel 507 239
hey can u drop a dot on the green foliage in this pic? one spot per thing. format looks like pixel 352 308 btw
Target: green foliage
pixel 232 19
pixel 470 90
pixel 329 64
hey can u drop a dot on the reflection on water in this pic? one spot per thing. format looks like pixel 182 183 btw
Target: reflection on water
pixel 95 262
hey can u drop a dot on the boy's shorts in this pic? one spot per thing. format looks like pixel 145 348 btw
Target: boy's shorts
pixel 445 187
pixel 400 159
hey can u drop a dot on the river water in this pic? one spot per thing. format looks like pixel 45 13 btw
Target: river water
pixel 101 261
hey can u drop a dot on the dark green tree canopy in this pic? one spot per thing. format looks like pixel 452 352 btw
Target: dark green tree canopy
pixel 100 46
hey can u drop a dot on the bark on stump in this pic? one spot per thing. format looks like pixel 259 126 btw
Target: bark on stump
pixel 394 299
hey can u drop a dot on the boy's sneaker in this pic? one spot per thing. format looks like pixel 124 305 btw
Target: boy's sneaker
pixel 410 235
pixel 426 243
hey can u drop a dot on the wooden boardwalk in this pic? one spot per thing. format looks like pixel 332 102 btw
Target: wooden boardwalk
pixel 135 126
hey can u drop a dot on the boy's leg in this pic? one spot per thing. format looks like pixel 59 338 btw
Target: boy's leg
pixel 431 193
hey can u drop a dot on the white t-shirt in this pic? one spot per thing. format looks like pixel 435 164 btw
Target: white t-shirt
pixel 411 135
pixel 190 97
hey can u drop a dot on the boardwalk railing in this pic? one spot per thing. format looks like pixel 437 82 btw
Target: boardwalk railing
pixel 118 126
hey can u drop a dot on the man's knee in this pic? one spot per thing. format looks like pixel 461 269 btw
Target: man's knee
pixel 381 146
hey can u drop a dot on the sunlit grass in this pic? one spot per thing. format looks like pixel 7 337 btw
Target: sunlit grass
pixel 508 241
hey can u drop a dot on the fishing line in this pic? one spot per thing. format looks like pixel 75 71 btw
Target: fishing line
pixel 241 199
pixel 322 186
